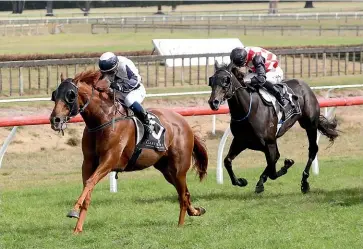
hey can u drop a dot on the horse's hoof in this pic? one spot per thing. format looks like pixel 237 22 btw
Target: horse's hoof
pixel 202 210
pixel 289 162
pixel 241 182
pixel 76 232
pixel 73 214
pixel 259 189
pixel 305 187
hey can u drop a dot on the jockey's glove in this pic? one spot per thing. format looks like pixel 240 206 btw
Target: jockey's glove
pixel 247 81
pixel 116 86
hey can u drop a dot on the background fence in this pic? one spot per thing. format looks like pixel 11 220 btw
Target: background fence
pixel 42 76
pixel 126 18
pixel 316 23
pixel 282 30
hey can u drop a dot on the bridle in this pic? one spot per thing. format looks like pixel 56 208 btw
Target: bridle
pixel 70 100
pixel 231 88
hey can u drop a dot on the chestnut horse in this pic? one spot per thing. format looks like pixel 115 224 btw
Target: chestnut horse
pixel 112 145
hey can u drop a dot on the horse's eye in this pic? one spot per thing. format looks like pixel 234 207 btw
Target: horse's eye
pixel 70 96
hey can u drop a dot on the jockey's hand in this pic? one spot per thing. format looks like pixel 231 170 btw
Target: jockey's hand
pixel 247 81
pixel 116 86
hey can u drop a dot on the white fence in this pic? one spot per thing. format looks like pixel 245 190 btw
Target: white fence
pixel 185 18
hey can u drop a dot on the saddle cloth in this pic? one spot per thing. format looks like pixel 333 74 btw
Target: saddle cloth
pixel 155 140
pixel 290 110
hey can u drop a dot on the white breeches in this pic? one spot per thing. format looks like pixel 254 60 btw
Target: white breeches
pixel 137 95
pixel 275 75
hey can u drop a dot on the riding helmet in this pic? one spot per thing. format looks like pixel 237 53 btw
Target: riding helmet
pixel 239 56
pixel 107 62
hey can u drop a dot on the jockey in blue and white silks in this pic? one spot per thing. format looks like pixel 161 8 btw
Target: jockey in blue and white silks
pixel 127 83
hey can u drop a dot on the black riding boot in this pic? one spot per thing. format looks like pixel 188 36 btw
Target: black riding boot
pixel 141 114
pixel 271 89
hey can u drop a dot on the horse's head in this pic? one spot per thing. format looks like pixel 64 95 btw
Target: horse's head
pixel 223 83
pixel 68 99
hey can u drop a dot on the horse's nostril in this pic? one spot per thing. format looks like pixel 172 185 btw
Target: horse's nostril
pixel 216 102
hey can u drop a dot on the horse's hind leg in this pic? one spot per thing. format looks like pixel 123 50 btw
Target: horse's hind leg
pixel 272 155
pixel 162 167
pixel 236 148
pixel 313 150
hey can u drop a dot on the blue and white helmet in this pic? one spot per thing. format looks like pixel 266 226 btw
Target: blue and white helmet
pixel 107 62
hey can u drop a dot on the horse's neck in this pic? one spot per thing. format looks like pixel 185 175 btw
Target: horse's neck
pixel 239 104
pixel 98 111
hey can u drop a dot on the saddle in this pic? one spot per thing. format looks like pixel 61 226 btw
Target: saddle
pixel 283 114
pixel 154 141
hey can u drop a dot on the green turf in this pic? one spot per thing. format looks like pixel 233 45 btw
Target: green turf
pixel 129 41
pixel 143 214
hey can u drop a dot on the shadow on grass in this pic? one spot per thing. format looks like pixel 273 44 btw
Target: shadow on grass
pixel 340 197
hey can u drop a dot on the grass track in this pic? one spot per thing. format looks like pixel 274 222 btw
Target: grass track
pixel 129 41
pixel 143 214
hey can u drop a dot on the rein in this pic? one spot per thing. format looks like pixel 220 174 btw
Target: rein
pixel 72 105
pixel 108 123
pixel 248 113
pixel 232 91
pixel 111 122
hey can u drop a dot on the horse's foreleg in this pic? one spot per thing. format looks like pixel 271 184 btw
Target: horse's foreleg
pixel 101 171
pixel 236 148
pixel 87 170
pixel 313 150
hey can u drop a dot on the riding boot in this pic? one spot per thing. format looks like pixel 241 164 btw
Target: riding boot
pixel 142 115
pixel 271 89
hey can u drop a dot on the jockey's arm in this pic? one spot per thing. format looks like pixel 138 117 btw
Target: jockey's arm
pixel 127 77
pixel 259 63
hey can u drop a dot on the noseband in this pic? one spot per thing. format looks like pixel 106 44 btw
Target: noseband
pixel 70 99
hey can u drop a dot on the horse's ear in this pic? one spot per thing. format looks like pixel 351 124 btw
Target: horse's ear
pixel 62 77
pixel 216 65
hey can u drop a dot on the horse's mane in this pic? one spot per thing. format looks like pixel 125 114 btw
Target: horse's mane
pixel 90 77
pixel 235 71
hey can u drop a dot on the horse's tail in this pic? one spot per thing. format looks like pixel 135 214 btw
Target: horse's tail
pixel 328 128
pixel 200 157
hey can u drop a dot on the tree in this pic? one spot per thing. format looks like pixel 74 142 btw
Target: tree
pixel 272 9
pixel 18 6
pixel 173 6
pixel 86 8
pixel 49 8
pixel 159 12
pixel 309 4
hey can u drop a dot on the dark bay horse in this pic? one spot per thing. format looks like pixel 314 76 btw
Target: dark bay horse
pixel 254 124
pixel 111 147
